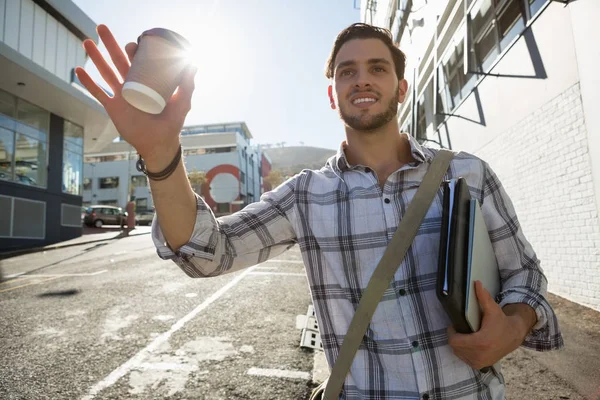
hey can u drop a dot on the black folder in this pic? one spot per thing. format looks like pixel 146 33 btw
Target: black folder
pixel 466 255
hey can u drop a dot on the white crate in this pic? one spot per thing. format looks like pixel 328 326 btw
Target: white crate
pixel 311 339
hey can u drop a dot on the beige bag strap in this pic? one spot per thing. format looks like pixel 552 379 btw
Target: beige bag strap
pixel 382 276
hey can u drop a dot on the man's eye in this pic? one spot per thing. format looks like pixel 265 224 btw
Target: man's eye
pixel 379 69
pixel 346 72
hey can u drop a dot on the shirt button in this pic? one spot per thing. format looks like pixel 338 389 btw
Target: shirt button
pixel 402 292
pixel 415 344
pixel 387 201
pixel 425 396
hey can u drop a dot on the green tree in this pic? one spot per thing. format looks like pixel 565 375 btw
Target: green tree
pixel 197 179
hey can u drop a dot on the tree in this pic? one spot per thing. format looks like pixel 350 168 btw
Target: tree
pixel 274 179
pixel 197 179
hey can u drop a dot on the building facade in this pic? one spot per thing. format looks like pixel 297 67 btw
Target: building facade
pixel 233 169
pixel 515 82
pixel 47 121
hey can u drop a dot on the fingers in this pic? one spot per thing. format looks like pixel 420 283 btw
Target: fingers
pixel 114 50
pixel 91 86
pixel 105 70
pixel 130 49
pixel 182 100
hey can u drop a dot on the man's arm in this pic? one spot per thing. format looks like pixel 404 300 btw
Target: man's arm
pixel 523 281
pixel 174 200
pixel 186 231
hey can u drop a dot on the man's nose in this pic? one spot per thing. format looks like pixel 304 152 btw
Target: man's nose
pixel 362 79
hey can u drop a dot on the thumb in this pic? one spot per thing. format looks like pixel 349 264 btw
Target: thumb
pixel 485 299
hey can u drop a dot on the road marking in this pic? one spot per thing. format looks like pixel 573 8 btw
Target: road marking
pixel 279 373
pixel 286 261
pixel 267 268
pixel 29 284
pixel 267 273
pixel 137 360
pixel 22 275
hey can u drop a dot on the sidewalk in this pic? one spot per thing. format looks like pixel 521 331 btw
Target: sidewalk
pixel 92 235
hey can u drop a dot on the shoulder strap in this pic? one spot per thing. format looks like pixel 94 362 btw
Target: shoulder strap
pixel 380 280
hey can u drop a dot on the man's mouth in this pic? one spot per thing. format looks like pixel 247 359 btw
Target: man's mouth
pixel 364 102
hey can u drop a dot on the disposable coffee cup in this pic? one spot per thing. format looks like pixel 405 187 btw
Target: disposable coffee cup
pixel 155 70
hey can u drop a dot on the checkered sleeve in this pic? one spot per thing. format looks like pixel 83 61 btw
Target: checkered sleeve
pixel 523 280
pixel 260 231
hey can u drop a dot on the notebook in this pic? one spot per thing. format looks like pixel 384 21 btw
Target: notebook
pixel 466 255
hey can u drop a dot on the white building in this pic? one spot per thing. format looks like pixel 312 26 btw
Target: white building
pixel 47 121
pixel 516 83
pixel 234 169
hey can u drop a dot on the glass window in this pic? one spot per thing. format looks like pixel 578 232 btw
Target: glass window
pixel 87 184
pixel 139 181
pixel 7 146
pixel 511 22
pixel 141 204
pixel 494 25
pixel 112 157
pixel 23 145
pixel 72 158
pixel 30 161
pixel 110 182
pixel 33 115
pixel 535 6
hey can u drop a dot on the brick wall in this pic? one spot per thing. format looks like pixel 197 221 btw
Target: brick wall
pixel 544 164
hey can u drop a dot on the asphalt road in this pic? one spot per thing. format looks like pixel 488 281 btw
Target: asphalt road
pixel 113 321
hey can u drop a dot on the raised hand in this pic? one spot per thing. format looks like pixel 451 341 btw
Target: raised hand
pixel 155 137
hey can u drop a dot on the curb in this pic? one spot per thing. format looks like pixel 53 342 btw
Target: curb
pixel 15 253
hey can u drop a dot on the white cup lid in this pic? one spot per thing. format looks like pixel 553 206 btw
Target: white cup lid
pixel 143 97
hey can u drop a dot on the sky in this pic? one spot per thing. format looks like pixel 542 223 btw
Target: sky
pixel 260 61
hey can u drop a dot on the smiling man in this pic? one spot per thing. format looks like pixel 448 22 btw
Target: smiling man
pixel 342 217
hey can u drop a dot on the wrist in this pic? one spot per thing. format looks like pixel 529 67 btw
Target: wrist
pixel 522 319
pixel 160 158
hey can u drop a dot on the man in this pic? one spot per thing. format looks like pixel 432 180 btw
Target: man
pixel 342 217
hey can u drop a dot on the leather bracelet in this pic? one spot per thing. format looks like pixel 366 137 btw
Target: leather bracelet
pixel 162 175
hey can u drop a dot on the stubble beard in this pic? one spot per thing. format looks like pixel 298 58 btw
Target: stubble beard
pixel 366 122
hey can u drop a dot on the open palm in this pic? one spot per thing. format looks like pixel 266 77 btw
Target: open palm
pixel 155 137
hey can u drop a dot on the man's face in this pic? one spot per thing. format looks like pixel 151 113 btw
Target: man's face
pixel 366 90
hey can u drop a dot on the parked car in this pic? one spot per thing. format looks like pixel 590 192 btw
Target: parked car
pixel 144 217
pixel 104 215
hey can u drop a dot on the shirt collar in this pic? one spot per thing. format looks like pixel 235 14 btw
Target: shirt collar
pixel 418 152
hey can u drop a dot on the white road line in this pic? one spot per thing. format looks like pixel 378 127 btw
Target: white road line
pixel 23 274
pixel 279 373
pixel 286 261
pixel 137 360
pixel 267 273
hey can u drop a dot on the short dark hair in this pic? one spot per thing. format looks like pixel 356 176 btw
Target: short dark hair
pixel 365 31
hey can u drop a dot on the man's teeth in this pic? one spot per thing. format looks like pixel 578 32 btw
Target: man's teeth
pixel 364 100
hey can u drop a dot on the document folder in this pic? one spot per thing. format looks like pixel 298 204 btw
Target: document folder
pixel 466 255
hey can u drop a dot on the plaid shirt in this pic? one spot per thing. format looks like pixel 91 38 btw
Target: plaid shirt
pixel 342 220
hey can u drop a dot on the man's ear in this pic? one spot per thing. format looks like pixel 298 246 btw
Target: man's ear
pixel 402 90
pixel 330 94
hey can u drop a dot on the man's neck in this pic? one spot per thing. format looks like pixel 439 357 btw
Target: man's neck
pixel 385 150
